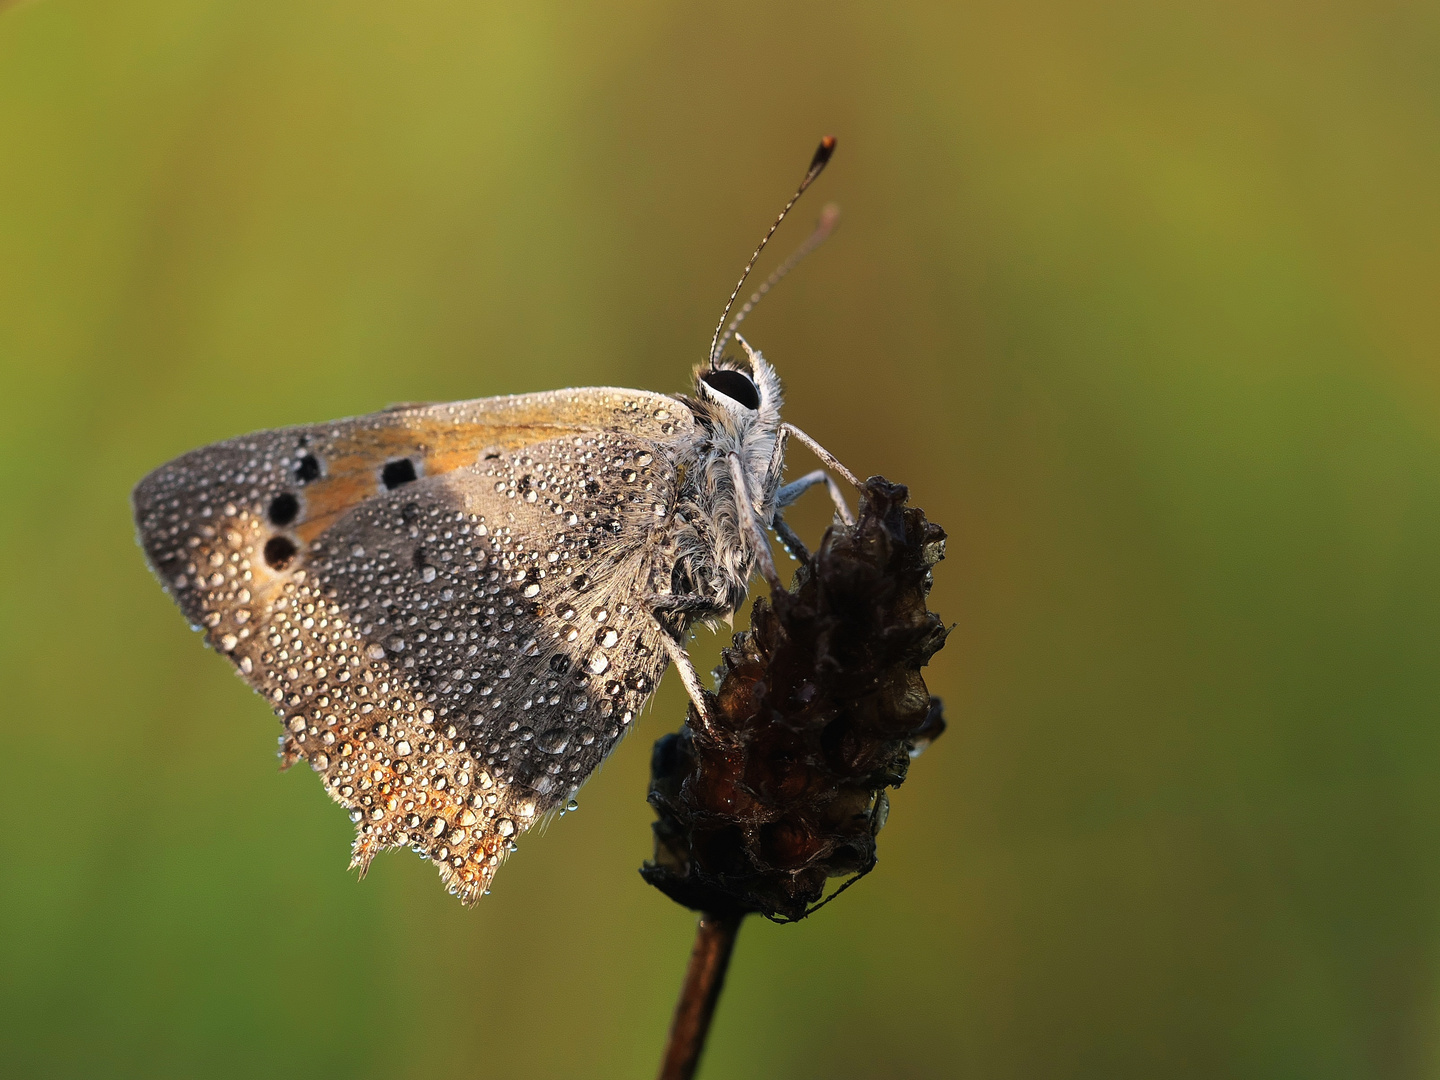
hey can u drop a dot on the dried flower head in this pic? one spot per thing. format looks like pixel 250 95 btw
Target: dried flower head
pixel 819 709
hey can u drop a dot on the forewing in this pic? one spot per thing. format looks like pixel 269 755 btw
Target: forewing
pixel 455 654
pixel 294 483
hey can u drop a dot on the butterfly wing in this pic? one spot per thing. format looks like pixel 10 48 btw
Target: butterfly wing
pixel 440 603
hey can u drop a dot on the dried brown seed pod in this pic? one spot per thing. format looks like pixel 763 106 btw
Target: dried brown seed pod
pixel 819 709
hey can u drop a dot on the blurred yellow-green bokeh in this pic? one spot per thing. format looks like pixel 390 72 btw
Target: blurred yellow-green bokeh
pixel 1141 299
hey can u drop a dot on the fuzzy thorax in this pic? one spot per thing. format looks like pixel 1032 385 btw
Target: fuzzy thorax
pixel 737 406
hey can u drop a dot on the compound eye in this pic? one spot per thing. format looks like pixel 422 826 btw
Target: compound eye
pixel 733 384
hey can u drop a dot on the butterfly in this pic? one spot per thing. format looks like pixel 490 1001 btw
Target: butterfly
pixel 458 610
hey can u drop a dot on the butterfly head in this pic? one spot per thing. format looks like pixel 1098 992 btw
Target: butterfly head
pixel 739 395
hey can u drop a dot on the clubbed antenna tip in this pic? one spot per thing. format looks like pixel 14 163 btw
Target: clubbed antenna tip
pixel 822 156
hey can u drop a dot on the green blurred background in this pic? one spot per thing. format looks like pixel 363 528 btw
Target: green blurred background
pixel 1141 299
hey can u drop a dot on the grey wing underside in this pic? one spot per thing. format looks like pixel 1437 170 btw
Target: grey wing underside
pixel 455 656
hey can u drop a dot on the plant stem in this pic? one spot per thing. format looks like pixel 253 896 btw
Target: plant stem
pixel 704 979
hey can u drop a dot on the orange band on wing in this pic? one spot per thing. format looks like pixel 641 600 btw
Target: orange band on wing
pixel 354 461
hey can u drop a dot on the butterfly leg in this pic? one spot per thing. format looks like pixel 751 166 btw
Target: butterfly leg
pixel 688 676
pixel 830 460
pixel 787 535
pixel 793 490
pixel 751 522
pixel 693 605
pixel 789 538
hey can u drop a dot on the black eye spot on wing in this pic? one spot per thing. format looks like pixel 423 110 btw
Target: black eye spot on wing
pixel 734 385
pixel 307 468
pixel 396 473
pixel 284 508
pixel 279 551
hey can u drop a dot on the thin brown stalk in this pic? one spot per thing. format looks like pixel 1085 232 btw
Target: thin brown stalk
pixel 704 979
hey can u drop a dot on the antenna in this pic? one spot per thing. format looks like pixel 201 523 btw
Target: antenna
pixel 829 217
pixel 817 166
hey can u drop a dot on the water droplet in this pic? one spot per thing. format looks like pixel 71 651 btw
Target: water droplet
pixel 505 827
pixel 598 663
pixel 572 805
pixel 607 638
pixel 531 590
pixel 427 574
pixel 403 748
pixel 553 741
